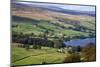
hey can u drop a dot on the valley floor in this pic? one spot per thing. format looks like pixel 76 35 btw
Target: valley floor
pixel 45 55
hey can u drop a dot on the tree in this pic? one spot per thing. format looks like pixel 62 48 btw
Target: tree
pixel 78 48
pixel 40 35
pixel 91 35
pixel 32 34
pixel 74 57
pixel 35 46
pixel 46 32
pixel 59 44
pixel 67 38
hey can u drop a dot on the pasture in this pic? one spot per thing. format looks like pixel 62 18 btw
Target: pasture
pixel 21 56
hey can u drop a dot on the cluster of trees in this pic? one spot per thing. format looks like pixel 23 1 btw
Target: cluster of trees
pixel 68 38
pixel 75 23
pixel 81 28
pixel 78 28
pixel 27 40
pixel 36 42
pixel 82 54
pixel 74 37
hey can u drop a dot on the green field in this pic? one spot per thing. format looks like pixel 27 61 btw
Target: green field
pixel 45 55
pixel 39 34
pixel 27 28
pixel 36 56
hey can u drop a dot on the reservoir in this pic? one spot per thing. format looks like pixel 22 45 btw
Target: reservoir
pixel 81 42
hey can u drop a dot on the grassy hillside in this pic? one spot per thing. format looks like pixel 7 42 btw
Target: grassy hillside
pixel 37 13
pixel 36 56
pixel 38 34
pixel 57 29
pixel 32 19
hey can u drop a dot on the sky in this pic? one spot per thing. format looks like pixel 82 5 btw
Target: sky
pixel 89 2
pixel 70 7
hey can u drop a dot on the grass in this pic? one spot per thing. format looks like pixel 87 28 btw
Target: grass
pixel 27 28
pixel 89 25
pixel 36 56
pixel 73 32
pixel 48 58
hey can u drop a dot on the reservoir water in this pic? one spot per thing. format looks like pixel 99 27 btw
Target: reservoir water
pixel 81 42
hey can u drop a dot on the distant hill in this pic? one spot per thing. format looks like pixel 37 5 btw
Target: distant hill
pixel 54 19
pixel 56 9
pixel 48 13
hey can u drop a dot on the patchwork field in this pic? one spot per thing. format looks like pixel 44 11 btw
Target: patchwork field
pixel 40 30
pixel 20 56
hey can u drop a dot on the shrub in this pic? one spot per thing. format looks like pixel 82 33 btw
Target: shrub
pixel 35 46
pixel 74 57
pixel 89 52
pixel 44 62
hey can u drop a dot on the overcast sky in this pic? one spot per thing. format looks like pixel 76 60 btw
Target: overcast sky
pixel 71 7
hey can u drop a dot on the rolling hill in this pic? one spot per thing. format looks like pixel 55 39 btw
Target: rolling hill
pixel 36 18
pixel 42 30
